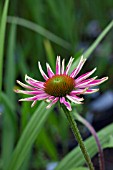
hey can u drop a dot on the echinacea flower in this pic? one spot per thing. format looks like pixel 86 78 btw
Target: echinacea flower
pixel 62 86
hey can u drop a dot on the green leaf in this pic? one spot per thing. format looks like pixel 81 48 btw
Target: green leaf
pixel 75 157
pixel 110 143
pixel 47 144
pixel 2 38
pixel 28 136
pixel 80 168
pixel 10 65
pixel 40 30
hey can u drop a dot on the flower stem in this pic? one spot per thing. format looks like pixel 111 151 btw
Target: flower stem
pixel 93 132
pixel 78 137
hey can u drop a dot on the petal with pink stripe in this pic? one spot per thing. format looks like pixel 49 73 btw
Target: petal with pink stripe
pixel 89 91
pixel 26 86
pixel 42 72
pixel 63 65
pixel 67 104
pixel 85 82
pixel 37 97
pixel 97 82
pixel 30 92
pixel 79 67
pixel 34 82
pixel 84 76
pixel 73 100
pixel 58 65
pixel 69 65
pixel 49 70
pixel 53 102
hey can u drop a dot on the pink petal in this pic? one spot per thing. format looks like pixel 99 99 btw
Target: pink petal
pixel 69 65
pixel 29 92
pixel 42 72
pixel 58 65
pixel 63 65
pixel 73 100
pixel 84 83
pixel 89 91
pixel 53 102
pixel 77 92
pixel 37 97
pixel 76 98
pixel 26 86
pixel 97 82
pixel 34 82
pixel 84 76
pixel 79 67
pixel 49 70
pixel 67 104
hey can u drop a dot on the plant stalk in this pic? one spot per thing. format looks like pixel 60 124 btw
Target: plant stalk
pixel 78 137
pixel 93 132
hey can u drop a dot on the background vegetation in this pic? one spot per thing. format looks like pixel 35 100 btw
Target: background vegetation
pixel 40 30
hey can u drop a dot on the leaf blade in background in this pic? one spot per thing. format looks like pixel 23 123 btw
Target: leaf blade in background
pixel 75 157
pixel 88 52
pixel 28 137
pixel 2 37
pixel 40 30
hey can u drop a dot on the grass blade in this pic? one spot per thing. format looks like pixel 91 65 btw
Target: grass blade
pixel 2 38
pixel 40 30
pixel 28 137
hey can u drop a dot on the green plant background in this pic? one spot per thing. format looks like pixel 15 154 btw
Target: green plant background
pixel 32 31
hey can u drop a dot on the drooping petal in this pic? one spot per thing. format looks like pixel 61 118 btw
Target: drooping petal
pixel 79 99
pixel 69 65
pixel 49 70
pixel 29 92
pixel 84 76
pixel 53 102
pixel 73 100
pixel 84 83
pixel 42 72
pixel 34 82
pixel 25 86
pixel 37 97
pixel 79 67
pixel 58 65
pixel 67 104
pixel 63 65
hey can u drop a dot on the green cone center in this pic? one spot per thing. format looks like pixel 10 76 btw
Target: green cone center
pixel 59 85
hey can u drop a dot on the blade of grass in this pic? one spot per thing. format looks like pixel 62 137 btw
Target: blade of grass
pixel 2 38
pixel 10 64
pixel 88 52
pixel 28 137
pixel 9 117
pixel 40 30
pixel 50 54
pixel 47 145
pixel 75 157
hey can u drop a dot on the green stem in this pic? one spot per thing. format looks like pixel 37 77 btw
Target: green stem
pixel 78 137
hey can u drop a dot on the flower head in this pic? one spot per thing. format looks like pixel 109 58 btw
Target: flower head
pixel 61 86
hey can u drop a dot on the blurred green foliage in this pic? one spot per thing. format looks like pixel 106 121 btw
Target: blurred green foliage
pixel 60 28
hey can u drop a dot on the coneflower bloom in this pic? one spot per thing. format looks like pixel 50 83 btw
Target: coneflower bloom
pixel 61 86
